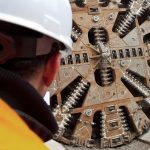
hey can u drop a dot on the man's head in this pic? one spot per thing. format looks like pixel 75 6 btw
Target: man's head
pixel 31 34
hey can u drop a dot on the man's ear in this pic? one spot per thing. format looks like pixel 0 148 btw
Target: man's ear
pixel 51 69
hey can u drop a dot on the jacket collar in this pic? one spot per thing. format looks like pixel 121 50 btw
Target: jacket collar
pixel 27 102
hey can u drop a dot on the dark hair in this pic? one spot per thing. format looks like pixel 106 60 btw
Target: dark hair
pixel 26 68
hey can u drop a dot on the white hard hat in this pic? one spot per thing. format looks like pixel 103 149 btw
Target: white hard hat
pixel 49 17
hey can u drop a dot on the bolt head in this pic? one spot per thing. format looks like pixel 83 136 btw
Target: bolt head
pixel 88 112
pixel 95 18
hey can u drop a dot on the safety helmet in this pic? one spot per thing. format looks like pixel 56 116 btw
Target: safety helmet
pixel 52 18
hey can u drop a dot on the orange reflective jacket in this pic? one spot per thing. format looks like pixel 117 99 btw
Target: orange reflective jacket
pixel 14 133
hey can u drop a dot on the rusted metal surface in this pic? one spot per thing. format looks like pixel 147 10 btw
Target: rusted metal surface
pixel 101 94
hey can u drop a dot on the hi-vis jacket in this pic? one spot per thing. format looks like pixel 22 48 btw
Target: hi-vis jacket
pixel 14 133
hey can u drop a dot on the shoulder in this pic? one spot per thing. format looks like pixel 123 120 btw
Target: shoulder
pixel 15 134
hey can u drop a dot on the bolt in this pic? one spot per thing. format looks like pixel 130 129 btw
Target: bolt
pixel 88 112
pixel 123 63
pixel 111 16
pixel 95 18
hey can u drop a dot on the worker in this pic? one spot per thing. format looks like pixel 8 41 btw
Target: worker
pixel 34 35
